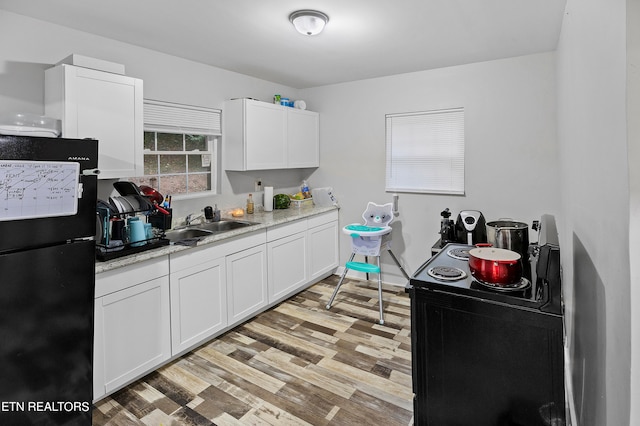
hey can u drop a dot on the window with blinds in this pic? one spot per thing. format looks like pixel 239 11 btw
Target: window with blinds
pixel 181 145
pixel 425 152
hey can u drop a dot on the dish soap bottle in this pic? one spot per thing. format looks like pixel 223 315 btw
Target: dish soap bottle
pixel 305 189
pixel 250 204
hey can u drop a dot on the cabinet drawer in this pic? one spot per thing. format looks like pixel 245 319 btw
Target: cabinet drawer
pixel 286 229
pixel 199 255
pixel 323 218
pixel 119 279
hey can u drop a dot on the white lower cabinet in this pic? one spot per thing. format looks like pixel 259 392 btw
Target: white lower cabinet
pixel 132 334
pixel 287 259
pixel 246 283
pixel 322 245
pixel 198 304
pixel 153 311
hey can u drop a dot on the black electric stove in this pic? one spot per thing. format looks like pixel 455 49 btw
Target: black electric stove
pixel 483 354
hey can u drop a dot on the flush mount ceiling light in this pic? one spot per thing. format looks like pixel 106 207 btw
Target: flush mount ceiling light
pixel 308 22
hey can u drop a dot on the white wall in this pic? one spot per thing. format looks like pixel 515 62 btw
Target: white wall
pixel 633 141
pixel 29 46
pixel 595 192
pixel 510 135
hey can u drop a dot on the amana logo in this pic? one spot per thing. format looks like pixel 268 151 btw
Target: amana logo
pixel 79 159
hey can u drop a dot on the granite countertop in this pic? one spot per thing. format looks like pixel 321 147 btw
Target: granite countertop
pixel 263 220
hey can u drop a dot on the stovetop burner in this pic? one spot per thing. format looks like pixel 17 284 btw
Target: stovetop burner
pixel 459 253
pixel 519 286
pixel 447 273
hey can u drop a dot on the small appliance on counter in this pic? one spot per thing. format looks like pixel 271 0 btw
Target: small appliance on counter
pixel 471 227
pixel 323 197
pixel 447 228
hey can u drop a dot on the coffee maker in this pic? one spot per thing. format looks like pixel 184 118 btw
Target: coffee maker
pixel 447 228
pixel 471 227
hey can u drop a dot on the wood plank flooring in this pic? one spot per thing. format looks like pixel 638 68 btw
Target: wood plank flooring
pixel 295 364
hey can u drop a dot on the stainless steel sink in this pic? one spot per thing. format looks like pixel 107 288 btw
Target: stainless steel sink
pixel 205 229
pixel 175 235
pixel 224 225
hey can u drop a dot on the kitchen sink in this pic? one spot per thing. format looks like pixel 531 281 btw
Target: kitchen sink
pixel 203 230
pixel 175 235
pixel 224 225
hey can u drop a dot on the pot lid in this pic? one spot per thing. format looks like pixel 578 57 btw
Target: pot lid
pixel 495 254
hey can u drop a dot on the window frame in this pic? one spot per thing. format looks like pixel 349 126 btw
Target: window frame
pixel 184 120
pixel 442 154
pixel 211 151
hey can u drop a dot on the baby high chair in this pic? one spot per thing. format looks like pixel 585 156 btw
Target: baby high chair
pixel 369 240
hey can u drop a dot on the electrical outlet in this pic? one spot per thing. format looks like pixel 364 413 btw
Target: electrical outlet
pixel 258 185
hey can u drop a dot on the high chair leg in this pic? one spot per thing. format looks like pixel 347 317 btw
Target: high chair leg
pixel 380 291
pixel 335 292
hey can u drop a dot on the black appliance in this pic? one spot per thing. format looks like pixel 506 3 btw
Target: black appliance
pixel 47 257
pixel 471 227
pixel 447 228
pixel 484 355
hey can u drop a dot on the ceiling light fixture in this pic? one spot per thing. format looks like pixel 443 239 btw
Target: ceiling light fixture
pixel 309 22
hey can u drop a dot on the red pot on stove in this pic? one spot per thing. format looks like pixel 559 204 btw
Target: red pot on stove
pixel 495 265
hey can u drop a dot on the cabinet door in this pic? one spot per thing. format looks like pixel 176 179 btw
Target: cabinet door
pixel 132 334
pixel 323 249
pixel 265 136
pixel 287 270
pixel 246 283
pixel 103 106
pixel 303 138
pixel 198 304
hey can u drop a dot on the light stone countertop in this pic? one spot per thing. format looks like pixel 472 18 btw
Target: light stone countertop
pixel 264 220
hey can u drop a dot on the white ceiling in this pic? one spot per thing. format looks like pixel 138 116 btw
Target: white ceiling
pixel 363 39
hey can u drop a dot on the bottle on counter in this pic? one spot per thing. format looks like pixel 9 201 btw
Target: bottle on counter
pixel 250 204
pixel 305 189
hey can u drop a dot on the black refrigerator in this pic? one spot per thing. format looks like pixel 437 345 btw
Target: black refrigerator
pixel 48 225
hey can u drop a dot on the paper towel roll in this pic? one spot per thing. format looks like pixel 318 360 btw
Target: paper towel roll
pixel 268 198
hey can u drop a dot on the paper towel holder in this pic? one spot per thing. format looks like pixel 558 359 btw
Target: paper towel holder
pixel 268 199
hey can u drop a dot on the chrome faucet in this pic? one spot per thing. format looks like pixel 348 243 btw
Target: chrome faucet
pixel 190 219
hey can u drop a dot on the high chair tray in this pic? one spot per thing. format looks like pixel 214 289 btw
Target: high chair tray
pixel 365 231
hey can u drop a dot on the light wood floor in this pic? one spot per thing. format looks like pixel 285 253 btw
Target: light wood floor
pixel 295 364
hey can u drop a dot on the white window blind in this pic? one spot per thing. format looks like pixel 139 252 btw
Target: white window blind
pixel 425 152
pixel 177 118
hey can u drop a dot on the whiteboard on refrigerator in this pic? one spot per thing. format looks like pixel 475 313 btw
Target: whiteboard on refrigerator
pixel 35 189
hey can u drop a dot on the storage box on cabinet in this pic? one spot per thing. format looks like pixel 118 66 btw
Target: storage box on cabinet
pixel 132 334
pixel 103 106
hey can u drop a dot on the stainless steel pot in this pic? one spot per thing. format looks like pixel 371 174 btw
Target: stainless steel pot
pixel 510 235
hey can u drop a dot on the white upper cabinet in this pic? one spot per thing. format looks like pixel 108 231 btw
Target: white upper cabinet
pixel 103 106
pixel 303 130
pixel 260 135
